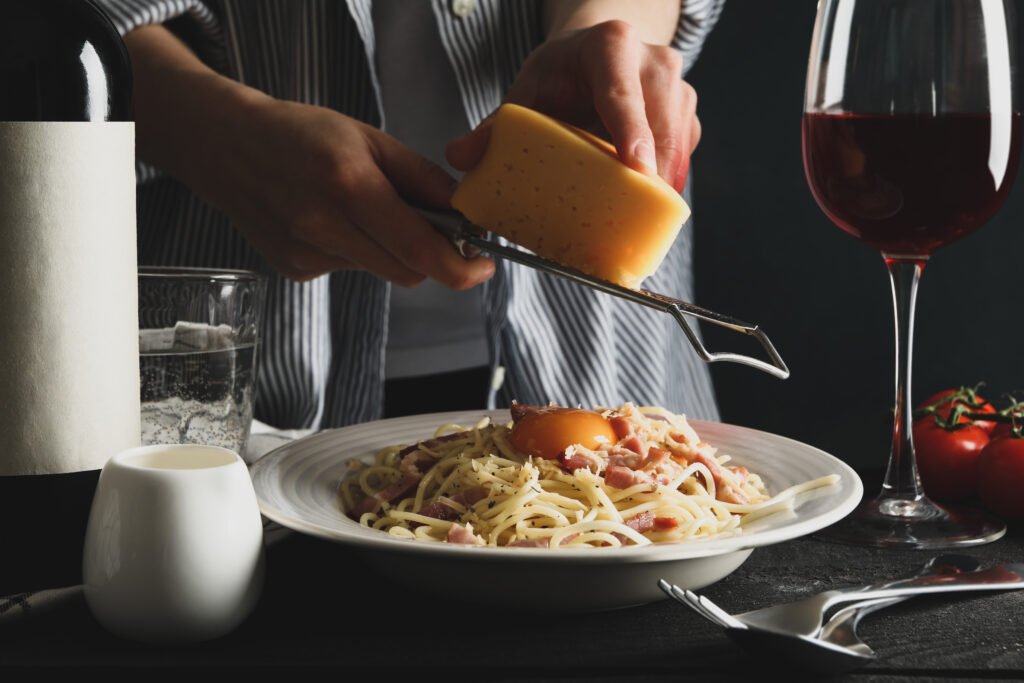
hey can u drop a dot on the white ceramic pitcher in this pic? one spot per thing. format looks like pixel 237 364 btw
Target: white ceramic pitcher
pixel 174 546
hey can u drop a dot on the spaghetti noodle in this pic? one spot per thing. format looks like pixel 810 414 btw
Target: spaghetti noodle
pixel 653 480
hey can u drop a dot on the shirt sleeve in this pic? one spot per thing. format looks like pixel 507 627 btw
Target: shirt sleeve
pixel 696 20
pixel 194 21
pixel 191 20
pixel 130 14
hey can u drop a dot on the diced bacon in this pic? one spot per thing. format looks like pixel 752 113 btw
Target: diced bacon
pixel 634 444
pixel 400 488
pixel 724 490
pixel 368 504
pixel 621 457
pixel 621 426
pixel 667 471
pixel 463 535
pixel 642 522
pixel 622 477
pixel 619 477
pixel 470 496
pixel 439 509
pixel 575 459
pixel 703 453
pixel 656 457
pixel 539 542
pixel 417 463
pixel 665 523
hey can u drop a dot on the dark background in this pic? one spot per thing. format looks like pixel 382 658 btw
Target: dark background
pixel 765 253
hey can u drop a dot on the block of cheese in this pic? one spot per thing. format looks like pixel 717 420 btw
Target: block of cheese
pixel 563 194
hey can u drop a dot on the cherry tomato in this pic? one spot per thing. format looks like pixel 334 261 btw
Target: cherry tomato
pixel 1001 431
pixel 1005 429
pixel 980 405
pixel 947 460
pixel 1001 477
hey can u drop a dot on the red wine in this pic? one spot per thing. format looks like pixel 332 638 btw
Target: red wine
pixel 909 183
pixel 67 189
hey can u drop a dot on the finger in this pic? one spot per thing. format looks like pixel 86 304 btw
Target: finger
pixel 465 153
pixel 339 237
pixel 384 217
pixel 695 134
pixel 305 263
pixel 293 259
pixel 692 135
pixel 670 121
pixel 684 167
pixel 416 178
pixel 318 243
pixel 611 58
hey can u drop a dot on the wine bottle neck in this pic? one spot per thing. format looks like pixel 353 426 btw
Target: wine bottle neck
pixel 62 60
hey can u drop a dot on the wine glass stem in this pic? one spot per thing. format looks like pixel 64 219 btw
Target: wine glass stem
pixel 902 486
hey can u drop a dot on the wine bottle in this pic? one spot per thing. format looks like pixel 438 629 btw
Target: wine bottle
pixel 69 367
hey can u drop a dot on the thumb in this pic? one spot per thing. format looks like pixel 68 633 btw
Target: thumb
pixel 417 179
pixel 465 153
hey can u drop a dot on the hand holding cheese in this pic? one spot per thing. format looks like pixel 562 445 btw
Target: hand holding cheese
pixel 563 193
pixel 609 68
pixel 312 190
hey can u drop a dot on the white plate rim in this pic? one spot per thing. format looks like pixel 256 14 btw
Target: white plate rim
pixel 851 487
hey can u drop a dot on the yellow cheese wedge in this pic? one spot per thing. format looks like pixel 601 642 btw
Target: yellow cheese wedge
pixel 563 193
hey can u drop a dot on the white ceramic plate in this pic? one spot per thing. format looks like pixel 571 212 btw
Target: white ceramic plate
pixel 296 485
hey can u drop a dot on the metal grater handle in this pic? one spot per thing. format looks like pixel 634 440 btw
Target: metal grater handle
pixel 469 243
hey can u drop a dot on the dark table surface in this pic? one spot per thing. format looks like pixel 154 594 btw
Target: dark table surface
pixel 323 607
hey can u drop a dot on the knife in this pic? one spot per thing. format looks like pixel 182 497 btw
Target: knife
pixel 470 241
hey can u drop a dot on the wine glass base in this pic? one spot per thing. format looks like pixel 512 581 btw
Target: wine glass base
pixel 898 523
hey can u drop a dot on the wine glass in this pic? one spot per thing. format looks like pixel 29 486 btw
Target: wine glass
pixel 911 138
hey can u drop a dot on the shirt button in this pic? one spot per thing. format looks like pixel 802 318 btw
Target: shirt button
pixel 463 8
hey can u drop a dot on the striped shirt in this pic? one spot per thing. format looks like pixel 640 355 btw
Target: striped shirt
pixel 322 350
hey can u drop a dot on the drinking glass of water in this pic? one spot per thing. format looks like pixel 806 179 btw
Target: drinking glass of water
pixel 198 338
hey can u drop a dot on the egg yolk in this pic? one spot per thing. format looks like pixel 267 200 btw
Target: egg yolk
pixel 548 433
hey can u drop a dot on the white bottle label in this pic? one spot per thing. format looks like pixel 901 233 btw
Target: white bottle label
pixel 69 359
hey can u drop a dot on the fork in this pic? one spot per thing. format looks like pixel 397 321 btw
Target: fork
pixel 943 565
pixel 840 627
pixel 838 649
pixel 949 573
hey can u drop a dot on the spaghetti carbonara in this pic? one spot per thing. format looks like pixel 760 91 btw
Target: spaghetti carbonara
pixel 557 478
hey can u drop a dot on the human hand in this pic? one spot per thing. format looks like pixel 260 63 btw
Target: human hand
pixel 312 190
pixel 606 76
pixel 315 191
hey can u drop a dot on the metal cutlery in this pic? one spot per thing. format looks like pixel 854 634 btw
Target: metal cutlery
pixel 837 649
pixel 805 616
pixel 795 630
